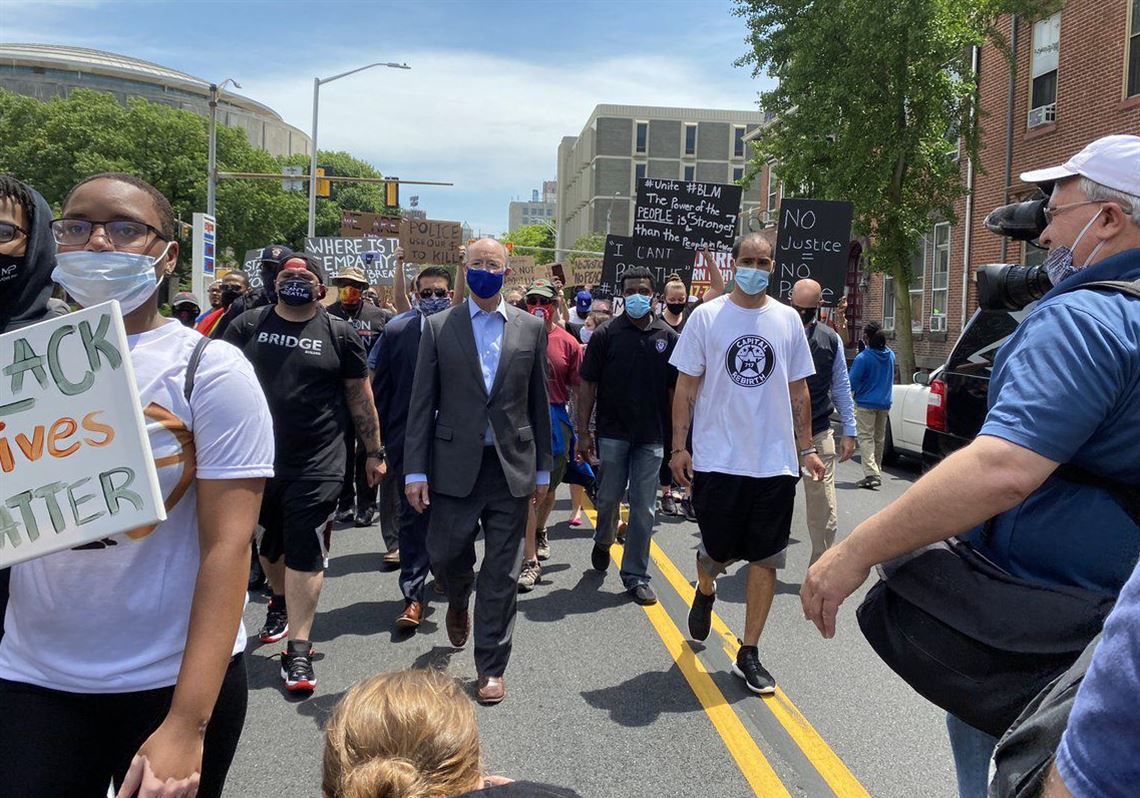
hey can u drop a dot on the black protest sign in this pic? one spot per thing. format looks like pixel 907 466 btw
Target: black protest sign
pixel 376 257
pixel 622 253
pixel 813 240
pixel 686 214
pixel 251 265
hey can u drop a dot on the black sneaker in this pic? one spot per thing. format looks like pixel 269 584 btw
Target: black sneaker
pixel 297 667
pixel 345 515
pixel 276 622
pixel 600 557
pixel 643 594
pixel 870 483
pixel 755 675
pixel 362 519
pixel 668 505
pixel 687 509
pixel 700 615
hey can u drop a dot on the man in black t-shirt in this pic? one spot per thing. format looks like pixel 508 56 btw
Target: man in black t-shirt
pixel 626 370
pixel 357 498
pixel 313 371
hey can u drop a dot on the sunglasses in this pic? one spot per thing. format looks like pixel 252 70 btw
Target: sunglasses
pixel 120 232
pixel 539 300
pixel 8 232
pixel 428 293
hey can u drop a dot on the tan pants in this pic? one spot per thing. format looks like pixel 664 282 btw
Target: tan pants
pixel 821 516
pixel 872 427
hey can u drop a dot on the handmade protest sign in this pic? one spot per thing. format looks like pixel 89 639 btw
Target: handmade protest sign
pixel 585 271
pixel 525 271
pixel 376 257
pixel 75 460
pixel 428 241
pixel 354 224
pixel 813 240
pixel 685 214
pixel 251 265
pixel 622 253
pixel 702 279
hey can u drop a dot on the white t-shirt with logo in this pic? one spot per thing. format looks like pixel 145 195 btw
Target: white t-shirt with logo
pixel 112 616
pixel 743 414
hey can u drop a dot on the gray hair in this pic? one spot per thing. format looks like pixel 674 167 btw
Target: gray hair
pixel 1097 191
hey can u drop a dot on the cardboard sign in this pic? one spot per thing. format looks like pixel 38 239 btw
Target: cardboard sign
pixel 376 257
pixel 686 215
pixel 354 224
pixel 525 271
pixel 75 459
pixel 427 241
pixel 622 253
pixel 585 271
pixel 813 240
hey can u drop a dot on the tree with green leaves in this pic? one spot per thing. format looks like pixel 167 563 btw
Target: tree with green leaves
pixel 873 102
pixel 536 240
pixel 591 242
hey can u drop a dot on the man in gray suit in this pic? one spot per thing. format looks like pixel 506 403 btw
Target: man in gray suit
pixel 478 449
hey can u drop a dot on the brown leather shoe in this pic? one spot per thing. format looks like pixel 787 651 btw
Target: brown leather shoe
pixel 491 690
pixel 458 624
pixel 392 558
pixel 411 616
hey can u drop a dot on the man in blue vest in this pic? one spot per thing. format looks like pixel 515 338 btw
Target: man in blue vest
pixel 830 390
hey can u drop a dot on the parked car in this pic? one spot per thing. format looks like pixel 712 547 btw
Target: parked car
pixel 907 426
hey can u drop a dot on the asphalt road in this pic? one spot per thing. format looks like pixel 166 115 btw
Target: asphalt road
pixel 609 698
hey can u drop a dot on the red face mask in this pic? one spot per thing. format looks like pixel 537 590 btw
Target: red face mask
pixel 351 295
pixel 542 311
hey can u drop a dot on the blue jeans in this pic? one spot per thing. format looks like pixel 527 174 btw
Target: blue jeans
pixel 635 464
pixel 973 751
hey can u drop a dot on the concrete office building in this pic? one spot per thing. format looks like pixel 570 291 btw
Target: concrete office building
pixel 597 169
pixel 46 71
pixel 539 210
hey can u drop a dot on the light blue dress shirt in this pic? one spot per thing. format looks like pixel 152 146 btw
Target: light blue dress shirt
pixel 488 330
pixel 841 394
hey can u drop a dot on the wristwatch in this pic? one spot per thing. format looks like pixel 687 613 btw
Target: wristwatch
pixel 379 454
pixel 808 450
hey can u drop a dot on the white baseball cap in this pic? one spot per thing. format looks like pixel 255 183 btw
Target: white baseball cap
pixel 1112 161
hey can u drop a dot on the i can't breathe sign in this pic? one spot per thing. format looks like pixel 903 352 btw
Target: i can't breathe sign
pixel 75 460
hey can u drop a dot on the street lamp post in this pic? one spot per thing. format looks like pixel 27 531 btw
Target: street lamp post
pixel 317 82
pixel 212 165
pixel 610 209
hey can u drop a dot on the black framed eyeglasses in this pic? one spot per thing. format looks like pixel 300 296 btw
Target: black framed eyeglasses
pixel 120 232
pixel 428 293
pixel 539 300
pixel 8 231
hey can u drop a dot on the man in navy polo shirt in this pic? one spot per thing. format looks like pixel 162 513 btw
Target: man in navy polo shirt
pixel 1065 389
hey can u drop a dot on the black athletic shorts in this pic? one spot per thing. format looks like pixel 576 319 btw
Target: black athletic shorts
pixel 744 518
pixel 296 519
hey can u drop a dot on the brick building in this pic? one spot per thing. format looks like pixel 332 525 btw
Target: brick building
pixel 1077 79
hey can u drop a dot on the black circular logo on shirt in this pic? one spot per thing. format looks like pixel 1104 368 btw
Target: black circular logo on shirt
pixel 750 361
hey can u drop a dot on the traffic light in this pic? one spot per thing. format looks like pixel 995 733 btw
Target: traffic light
pixel 324 187
pixel 392 192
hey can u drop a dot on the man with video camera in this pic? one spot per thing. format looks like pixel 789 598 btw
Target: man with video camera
pixel 1041 497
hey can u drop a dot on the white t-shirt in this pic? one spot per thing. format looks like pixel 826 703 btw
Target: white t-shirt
pixel 743 414
pixel 112 617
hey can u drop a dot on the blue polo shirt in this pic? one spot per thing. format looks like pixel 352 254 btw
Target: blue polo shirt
pixel 1067 386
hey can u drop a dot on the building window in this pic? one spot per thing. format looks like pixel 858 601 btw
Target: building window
pixel 737 174
pixel 1134 50
pixel 888 303
pixel 1031 255
pixel 690 173
pixel 773 189
pixel 1043 92
pixel 940 272
pixel 642 136
pixel 690 139
pixel 639 171
pixel 917 283
pixel 738 141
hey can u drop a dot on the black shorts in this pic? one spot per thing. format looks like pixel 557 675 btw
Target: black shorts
pixel 296 519
pixel 743 518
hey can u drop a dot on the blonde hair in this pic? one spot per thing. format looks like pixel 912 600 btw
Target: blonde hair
pixel 406 734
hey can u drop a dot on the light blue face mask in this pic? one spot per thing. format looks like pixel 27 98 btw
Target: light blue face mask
pixel 751 281
pixel 637 305
pixel 92 278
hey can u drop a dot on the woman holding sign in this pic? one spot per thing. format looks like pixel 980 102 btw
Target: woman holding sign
pixel 122 659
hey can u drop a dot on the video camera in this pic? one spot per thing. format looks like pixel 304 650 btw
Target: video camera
pixel 1011 286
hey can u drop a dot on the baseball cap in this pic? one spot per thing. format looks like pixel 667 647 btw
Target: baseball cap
pixel 275 254
pixel 542 288
pixel 1112 161
pixel 183 297
pixel 301 261
pixel 351 274
pixel 583 299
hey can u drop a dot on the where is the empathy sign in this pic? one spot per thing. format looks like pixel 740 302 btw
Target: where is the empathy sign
pixel 427 241
pixel 686 214
pixel 376 257
pixel 74 455
pixel 622 253
pixel 813 240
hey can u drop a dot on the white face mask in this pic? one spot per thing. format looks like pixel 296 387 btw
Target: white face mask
pixel 92 278
pixel 585 332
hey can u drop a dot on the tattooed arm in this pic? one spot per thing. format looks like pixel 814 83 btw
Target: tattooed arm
pixel 362 408
pixel 684 400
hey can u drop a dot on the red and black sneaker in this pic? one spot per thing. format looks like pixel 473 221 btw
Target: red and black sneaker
pixel 276 622
pixel 297 667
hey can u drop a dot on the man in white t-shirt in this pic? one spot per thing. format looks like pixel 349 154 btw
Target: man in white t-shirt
pixel 743 361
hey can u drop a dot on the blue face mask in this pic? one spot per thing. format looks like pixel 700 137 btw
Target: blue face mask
pixel 751 281
pixel 637 305
pixel 484 284
pixel 429 307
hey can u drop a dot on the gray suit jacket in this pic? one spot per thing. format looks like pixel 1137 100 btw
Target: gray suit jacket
pixel 450 405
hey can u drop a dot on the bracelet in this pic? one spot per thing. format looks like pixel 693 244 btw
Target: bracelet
pixel 379 454
pixel 675 451
pixel 808 450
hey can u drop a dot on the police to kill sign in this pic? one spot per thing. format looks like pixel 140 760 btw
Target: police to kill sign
pixel 75 461
pixel 814 240
pixel 685 214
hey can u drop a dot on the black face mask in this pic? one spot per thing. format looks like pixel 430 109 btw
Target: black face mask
pixel 297 292
pixel 229 294
pixel 269 281
pixel 187 317
pixel 676 308
pixel 807 315
pixel 11 266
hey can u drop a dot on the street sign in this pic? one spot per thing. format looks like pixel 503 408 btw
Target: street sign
pixel 293 185
pixel 203 253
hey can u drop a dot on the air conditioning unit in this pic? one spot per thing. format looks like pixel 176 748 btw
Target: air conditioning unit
pixel 1042 115
pixel 938 323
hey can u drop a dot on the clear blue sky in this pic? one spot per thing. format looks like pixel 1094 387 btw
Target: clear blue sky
pixel 494 86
